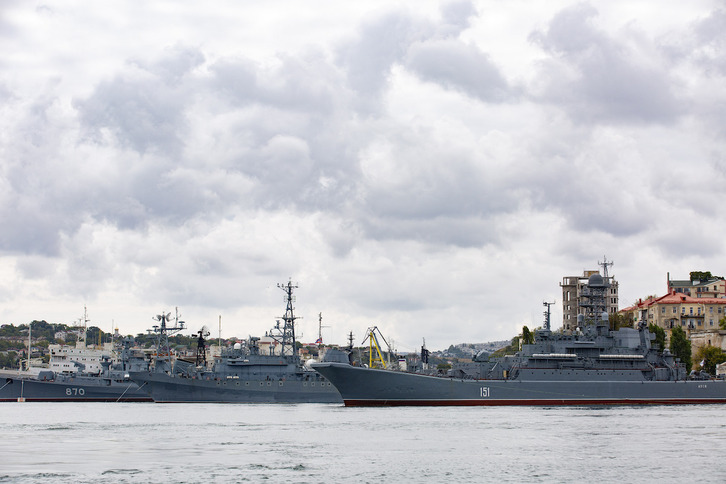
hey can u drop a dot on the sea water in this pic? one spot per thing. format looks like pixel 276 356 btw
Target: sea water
pixel 318 443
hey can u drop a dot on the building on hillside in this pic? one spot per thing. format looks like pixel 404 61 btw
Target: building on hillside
pixel 679 309
pixel 709 337
pixel 575 295
pixel 714 287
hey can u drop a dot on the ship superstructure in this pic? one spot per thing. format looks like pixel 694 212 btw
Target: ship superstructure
pixel 243 374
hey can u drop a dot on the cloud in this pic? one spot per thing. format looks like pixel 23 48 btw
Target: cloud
pixel 597 78
pixel 458 66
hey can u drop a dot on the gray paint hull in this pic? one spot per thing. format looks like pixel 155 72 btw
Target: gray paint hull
pixel 84 389
pixel 167 389
pixel 372 387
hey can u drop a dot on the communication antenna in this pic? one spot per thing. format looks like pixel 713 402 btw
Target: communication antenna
pixel 162 331
pixel 285 335
pixel 201 360
pixel 350 341
pixel 547 314
pixel 605 264
pixel 320 330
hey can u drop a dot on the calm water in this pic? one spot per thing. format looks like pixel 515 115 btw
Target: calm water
pixel 315 443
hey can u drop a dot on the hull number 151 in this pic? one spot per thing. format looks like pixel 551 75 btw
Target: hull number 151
pixel 484 392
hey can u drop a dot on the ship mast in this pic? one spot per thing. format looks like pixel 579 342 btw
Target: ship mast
pixel 162 331
pixel 285 335
pixel 547 314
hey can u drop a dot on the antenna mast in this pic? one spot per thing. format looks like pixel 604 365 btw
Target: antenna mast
pixel 286 334
pixel 605 264
pixel 162 331
pixel 547 314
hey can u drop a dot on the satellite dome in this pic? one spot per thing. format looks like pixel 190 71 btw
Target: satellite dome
pixel 596 280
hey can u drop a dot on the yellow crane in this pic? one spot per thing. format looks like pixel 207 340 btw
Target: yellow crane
pixel 373 344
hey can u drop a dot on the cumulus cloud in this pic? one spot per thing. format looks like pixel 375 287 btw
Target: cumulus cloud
pixel 598 78
pixel 393 163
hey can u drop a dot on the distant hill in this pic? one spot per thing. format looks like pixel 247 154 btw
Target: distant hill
pixel 469 350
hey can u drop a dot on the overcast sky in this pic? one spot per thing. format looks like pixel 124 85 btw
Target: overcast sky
pixel 431 168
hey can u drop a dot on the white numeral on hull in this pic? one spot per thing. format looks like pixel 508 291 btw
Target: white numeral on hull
pixel 484 392
pixel 75 391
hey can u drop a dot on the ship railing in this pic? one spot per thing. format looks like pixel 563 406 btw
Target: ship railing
pixel 622 357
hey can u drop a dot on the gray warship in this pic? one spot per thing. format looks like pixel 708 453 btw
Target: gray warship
pixel 243 374
pixel 592 366
pixel 110 384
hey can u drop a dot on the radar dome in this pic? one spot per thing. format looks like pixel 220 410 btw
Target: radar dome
pixel 237 346
pixel 596 280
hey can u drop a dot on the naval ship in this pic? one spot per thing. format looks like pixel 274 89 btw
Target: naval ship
pixel 73 377
pixel 591 366
pixel 244 373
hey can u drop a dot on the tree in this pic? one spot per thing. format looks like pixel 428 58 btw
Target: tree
pixel 527 336
pixel 701 276
pixel 710 356
pixel 722 323
pixel 618 320
pixel 659 335
pixel 681 346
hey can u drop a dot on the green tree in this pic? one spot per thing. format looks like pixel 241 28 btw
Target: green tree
pixel 659 335
pixel 527 336
pixel 618 320
pixel 722 323
pixel 701 275
pixel 681 346
pixel 710 356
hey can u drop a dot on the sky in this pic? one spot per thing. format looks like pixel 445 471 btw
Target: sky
pixel 430 168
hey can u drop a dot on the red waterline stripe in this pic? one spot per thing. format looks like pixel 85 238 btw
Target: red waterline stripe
pixel 534 402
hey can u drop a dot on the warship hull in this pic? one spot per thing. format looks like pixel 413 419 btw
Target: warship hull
pixel 70 390
pixel 164 388
pixel 375 387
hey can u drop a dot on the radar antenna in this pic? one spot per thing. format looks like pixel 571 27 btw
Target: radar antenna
pixel 201 360
pixel 605 264
pixel 162 358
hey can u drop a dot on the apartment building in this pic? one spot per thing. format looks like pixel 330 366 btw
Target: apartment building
pixel 575 298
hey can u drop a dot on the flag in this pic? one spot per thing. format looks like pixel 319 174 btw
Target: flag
pixel 319 341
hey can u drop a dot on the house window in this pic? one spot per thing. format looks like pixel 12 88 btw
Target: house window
pixel 662 310
pixel 691 311
pixel 674 310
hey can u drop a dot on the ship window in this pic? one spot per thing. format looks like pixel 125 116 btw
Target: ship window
pixel 280 383
pixel 262 383
pixel 269 383
pixel 247 383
